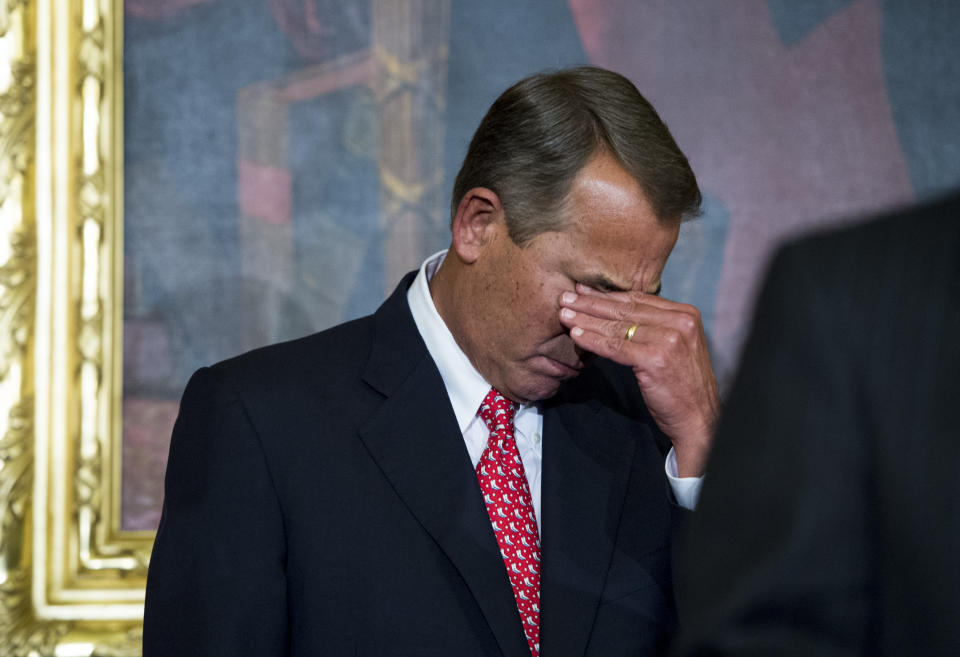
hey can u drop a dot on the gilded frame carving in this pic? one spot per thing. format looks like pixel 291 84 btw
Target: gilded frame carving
pixel 71 582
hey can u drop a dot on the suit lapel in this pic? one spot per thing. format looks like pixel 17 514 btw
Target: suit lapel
pixel 415 440
pixel 586 465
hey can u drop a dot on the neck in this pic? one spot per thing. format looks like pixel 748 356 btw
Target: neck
pixel 447 291
pixel 443 292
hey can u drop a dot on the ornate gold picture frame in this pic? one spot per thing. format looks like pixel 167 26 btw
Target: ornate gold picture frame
pixel 71 582
pixel 71 579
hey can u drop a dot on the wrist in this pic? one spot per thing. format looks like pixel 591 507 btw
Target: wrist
pixel 692 451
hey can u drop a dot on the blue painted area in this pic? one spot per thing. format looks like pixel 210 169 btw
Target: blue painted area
pixel 692 274
pixel 181 76
pixel 794 20
pixel 338 239
pixel 921 64
pixel 183 254
pixel 492 45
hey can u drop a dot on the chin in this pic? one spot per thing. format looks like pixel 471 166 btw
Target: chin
pixel 538 390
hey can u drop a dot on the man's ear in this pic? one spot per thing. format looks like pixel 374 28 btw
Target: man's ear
pixel 475 222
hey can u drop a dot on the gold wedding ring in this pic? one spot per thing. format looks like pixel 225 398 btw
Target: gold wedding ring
pixel 629 334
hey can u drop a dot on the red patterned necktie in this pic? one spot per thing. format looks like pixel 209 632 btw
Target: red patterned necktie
pixel 509 505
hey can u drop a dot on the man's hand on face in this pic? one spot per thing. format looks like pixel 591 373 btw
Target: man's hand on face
pixel 668 353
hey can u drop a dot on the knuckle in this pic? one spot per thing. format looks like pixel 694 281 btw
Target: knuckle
pixel 656 357
pixel 672 337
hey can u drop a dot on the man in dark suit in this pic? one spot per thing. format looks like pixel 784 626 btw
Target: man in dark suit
pixel 830 522
pixel 381 488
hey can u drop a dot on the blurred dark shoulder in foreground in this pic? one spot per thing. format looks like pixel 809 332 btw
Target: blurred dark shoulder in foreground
pixel 830 520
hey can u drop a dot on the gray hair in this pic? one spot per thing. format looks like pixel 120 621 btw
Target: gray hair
pixel 544 129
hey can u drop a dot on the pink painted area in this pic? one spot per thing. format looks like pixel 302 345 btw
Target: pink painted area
pixel 147 359
pixel 266 192
pixel 594 21
pixel 308 32
pixel 147 426
pixel 158 9
pixel 787 138
pixel 314 83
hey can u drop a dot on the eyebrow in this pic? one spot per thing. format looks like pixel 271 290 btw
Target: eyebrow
pixel 601 282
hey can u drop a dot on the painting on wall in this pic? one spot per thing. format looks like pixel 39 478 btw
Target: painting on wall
pixel 286 161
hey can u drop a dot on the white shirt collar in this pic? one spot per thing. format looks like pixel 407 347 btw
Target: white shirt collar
pixel 465 385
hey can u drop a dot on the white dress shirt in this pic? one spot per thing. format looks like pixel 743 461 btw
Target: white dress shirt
pixel 467 388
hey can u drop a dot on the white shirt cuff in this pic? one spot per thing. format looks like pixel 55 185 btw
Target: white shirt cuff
pixel 685 489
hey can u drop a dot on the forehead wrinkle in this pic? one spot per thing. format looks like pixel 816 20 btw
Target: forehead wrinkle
pixel 651 286
pixel 602 273
pixel 598 271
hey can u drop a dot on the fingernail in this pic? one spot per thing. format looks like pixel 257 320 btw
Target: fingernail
pixel 569 297
pixel 576 331
pixel 566 313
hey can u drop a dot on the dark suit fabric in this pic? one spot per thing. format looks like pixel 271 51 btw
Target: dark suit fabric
pixel 830 517
pixel 320 501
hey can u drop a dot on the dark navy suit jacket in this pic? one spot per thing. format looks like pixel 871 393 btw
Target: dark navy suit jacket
pixel 320 501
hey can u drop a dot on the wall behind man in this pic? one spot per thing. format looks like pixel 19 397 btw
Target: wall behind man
pixel 287 159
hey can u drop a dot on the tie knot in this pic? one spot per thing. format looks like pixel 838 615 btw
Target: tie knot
pixel 497 411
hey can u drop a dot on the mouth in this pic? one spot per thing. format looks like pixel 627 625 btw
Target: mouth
pixel 559 369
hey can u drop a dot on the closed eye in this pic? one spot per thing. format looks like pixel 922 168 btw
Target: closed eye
pixel 601 283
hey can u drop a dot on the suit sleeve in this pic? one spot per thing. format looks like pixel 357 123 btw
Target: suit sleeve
pixel 777 558
pixel 216 582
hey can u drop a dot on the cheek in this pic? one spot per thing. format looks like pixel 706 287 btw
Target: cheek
pixel 534 297
pixel 545 308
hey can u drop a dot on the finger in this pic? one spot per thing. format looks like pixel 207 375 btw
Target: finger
pixel 648 352
pixel 666 304
pixel 654 300
pixel 632 354
pixel 646 334
pixel 613 328
pixel 631 312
